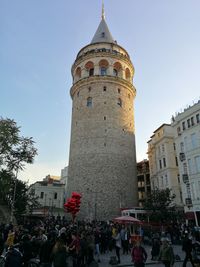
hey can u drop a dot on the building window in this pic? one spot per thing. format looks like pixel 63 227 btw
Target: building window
pixel 164 162
pixel 178 130
pixel 197 118
pixel 174 146
pixel 160 163
pixel 119 102
pixel 55 195
pixel 89 102
pixel 104 118
pixel 104 88
pixel 188 123
pixel 183 125
pixel 190 166
pixel 178 178
pixel 42 195
pixel 166 180
pixel 176 160
pixel 197 163
pixel 182 147
pixel 194 140
pixel 115 72
pixel 192 121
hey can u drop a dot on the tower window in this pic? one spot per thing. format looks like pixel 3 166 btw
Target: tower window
pixel 119 91
pixel 89 102
pixel 115 72
pixel 104 88
pixel 104 118
pixel 129 96
pixel 103 71
pixel 78 94
pixel 91 72
pixel 89 89
pixel 119 102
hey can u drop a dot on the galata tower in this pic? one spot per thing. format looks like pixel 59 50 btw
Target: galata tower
pixel 102 160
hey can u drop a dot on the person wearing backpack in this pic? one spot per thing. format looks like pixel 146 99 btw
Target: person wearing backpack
pixel 139 255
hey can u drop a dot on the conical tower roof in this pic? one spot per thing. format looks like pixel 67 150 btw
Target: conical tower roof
pixel 103 34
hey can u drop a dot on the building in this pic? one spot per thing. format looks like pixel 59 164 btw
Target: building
pixel 102 161
pixel 163 162
pixel 186 127
pixel 144 184
pixel 50 192
pixel 64 179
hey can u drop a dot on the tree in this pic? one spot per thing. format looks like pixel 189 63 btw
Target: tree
pixel 15 152
pixel 160 205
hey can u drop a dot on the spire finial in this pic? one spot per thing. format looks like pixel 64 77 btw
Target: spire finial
pixel 103 10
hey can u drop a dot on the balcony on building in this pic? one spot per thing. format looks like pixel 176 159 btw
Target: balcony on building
pixel 182 156
pixel 185 178
pixel 188 202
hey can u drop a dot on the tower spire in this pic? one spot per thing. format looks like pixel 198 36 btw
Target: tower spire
pixel 103 10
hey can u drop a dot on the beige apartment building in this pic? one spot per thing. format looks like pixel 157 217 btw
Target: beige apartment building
pixel 163 162
pixel 144 183
pixel 186 127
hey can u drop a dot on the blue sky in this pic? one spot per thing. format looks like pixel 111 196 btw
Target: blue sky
pixel 39 41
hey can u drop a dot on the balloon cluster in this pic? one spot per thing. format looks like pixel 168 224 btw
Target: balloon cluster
pixel 73 204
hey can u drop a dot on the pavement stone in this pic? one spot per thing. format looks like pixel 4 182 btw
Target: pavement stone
pixel 126 259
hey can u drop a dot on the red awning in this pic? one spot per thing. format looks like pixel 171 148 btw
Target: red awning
pixel 190 215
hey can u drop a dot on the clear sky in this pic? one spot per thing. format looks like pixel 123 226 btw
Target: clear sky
pixel 39 40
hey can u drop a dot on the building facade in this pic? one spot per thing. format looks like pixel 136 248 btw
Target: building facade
pixel 102 161
pixel 50 192
pixel 144 183
pixel 186 127
pixel 163 162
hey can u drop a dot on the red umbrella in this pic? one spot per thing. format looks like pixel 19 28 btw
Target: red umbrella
pixel 126 220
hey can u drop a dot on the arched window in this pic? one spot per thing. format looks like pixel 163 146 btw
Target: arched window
pixel 103 64
pixel 78 73
pixel 90 68
pixel 115 72
pixel 128 74
pixel 89 102
pixel 117 69
pixel 119 102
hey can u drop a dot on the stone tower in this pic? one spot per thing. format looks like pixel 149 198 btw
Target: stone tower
pixel 102 162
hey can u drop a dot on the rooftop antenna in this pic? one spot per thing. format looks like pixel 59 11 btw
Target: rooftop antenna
pixel 103 10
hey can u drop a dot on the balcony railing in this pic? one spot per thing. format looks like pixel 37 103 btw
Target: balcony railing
pixel 182 156
pixel 188 202
pixel 185 178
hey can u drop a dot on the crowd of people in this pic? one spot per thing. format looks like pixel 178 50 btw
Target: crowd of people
pixel 58 243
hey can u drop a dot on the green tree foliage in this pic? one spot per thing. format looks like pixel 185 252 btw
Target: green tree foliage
pixel 160 205
pixel 15 152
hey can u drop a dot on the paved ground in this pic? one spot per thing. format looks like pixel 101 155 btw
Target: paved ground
pixel 126 259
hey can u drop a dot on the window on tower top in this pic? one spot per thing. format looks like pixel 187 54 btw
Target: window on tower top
pixel 89 102
pixel 91 72
pixel 115 72
pixel 103 71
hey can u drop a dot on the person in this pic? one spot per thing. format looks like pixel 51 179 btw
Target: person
pixel 59 254
pixel 155 248
pixel 74 248
pixel 13 257
pixel 117 238
pixel 166 254
pixel 139 255
pixel 187 248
